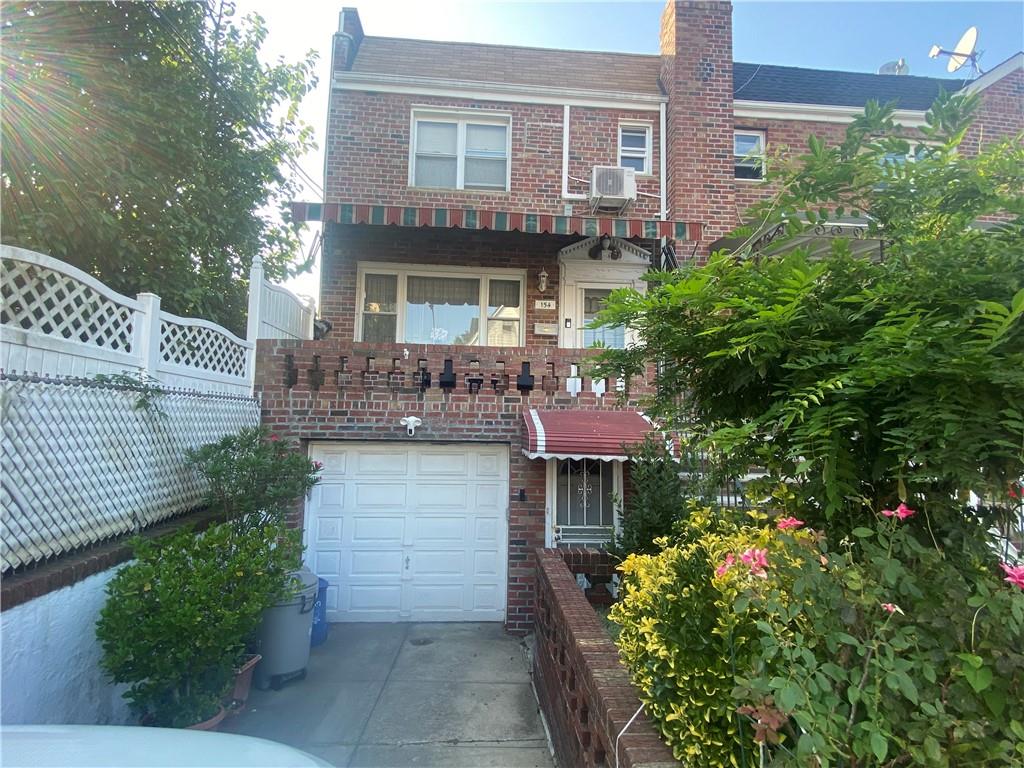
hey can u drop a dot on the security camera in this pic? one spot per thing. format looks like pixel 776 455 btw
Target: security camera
pixel 410 423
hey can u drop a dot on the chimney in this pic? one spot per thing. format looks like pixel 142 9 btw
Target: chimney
pixel 346 39
pixel 696 73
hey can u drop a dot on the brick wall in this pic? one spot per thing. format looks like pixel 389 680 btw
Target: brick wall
pixel 583 687
pixel 341 390
pixel 696 50
pixel 368 140
pixel 1000 114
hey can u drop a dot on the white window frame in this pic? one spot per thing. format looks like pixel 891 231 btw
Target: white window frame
pixel 648 152
pixel 461 118
pixel 551 502
pixel 761 134
pixel 404 271
pixel 598 285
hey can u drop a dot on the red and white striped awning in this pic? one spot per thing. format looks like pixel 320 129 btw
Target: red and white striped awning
pixel 498 221
pixel 577 434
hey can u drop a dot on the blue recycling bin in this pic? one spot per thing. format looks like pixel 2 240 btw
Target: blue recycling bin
pixel 319 633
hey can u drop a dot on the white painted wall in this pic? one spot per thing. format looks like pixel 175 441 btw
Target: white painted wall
pixel 50 659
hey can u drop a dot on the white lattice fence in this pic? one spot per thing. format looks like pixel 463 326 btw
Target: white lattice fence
pixel 82 463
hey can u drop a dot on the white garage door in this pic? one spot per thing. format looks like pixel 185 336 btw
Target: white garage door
pixel 410 532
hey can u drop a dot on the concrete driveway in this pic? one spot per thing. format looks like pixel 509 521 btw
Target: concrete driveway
pixel 408 695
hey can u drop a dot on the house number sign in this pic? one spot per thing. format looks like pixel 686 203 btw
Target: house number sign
pixel 545 304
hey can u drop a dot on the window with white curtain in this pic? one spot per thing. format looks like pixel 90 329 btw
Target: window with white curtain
pixel 458 151
pixel 417 306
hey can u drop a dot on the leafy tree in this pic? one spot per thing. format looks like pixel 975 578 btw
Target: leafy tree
pixel 857 380
pixel 144 143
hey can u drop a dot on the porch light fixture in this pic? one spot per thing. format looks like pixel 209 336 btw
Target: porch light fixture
pixel 542 280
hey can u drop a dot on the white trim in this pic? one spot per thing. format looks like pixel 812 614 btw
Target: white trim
pixel 648 128
pixel 505 92
pixel 542 440
pixel 577 271
pixel 403 271
pixel 551 491
pixel 460 118
pixel 763 136
pixel 820 113
pixel 996 74
pixel 575 456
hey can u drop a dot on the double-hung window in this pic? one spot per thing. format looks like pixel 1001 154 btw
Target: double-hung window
pixel 748 152
pixel 419 306
pixel 457 151
pixel 635 147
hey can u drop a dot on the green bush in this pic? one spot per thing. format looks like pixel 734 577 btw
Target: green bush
pixel 656 500
pixel 177 617
pixel 894 649
pixel 253 477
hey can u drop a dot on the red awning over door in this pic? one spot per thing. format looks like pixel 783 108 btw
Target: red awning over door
pixel 576 434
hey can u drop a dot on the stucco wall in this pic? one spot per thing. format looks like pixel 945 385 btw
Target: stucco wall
pixel 50 659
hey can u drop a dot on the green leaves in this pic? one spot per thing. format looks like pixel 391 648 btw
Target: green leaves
pixel 157 165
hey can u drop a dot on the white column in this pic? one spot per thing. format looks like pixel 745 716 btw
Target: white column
pixel 252 326
pixel 147 325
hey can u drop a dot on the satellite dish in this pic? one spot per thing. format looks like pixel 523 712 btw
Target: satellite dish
pixel 898 67
pixel 965 51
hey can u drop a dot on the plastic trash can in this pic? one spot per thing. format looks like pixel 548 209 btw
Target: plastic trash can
pixel 320 624
pixel 285 633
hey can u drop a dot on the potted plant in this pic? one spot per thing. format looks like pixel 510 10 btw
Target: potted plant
pixel 177 618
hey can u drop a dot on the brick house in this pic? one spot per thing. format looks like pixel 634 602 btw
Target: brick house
pixel 470 236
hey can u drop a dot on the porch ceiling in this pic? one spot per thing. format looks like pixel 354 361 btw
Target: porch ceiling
pixel 499 221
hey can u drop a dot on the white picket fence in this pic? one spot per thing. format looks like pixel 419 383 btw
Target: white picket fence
pixel 58 321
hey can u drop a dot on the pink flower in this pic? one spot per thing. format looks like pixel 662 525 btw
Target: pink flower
pixel 318 465
pixel 891 608
pixel 1014 574
pixel 757 559
pixel 789 522
pixel 274 438
pixel 729 560
pixel 902 512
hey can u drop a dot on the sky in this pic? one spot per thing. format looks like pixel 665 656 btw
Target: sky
pixel 853 36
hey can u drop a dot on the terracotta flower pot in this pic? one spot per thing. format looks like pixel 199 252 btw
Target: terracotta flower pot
pixel 243 682
pixel 208 725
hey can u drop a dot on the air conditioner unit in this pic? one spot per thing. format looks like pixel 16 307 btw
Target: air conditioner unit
pixel 612 188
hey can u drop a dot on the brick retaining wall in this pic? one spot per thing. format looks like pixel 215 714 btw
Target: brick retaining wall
pixel 583 687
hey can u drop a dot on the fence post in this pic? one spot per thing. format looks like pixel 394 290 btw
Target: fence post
pixel 252 327
pixel 149 333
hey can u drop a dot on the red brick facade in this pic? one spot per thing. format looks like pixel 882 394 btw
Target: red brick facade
pixel 340 390
pixel 343 389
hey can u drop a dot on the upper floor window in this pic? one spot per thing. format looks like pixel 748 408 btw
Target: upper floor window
pixel 748 151
pixel 458 151
pixel 425 306
pixel 635 147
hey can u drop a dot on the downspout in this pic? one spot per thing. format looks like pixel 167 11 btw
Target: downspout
pixel 661 157
pixel 565 157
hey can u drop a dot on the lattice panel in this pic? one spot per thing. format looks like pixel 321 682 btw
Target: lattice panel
pixel 196 346
pixel 83 464
pixel 39 299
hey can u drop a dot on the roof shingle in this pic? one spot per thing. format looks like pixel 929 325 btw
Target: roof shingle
pixel 632 73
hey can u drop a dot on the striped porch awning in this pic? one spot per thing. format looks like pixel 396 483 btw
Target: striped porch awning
pixel 498 221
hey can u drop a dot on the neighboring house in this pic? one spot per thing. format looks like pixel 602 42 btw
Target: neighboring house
pixel 477 215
